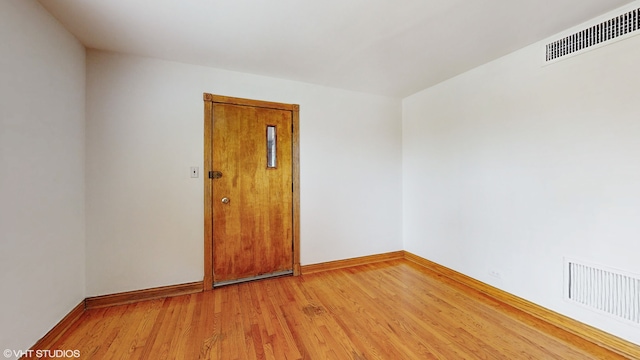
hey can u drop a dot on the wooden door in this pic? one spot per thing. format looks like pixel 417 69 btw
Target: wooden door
pixel 252 189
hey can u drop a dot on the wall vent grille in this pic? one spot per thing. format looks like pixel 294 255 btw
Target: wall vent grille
pixel 597 34
pixel 609 291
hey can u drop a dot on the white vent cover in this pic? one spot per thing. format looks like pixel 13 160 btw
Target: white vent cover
pixel 609 291
pixel 597 34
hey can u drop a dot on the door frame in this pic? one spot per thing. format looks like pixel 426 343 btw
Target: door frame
pixel 209 101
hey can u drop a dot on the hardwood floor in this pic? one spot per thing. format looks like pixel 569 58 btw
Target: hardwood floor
pixel 387 310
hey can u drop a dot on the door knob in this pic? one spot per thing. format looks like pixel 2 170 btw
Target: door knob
pixel 225 200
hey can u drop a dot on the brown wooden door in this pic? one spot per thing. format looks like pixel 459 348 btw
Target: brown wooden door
pixel 252 192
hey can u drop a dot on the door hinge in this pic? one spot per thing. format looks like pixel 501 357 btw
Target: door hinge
pixel 210 174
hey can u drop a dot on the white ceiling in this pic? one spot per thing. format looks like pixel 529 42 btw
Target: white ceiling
pixel 393 48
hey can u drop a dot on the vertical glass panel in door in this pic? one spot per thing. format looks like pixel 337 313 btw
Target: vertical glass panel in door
pixel 272 160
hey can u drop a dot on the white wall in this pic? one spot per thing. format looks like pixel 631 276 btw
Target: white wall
pixel 512 166
pixel 42 87
pixel 145 129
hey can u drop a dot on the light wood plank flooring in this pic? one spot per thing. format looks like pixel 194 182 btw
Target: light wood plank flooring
pixel 389 310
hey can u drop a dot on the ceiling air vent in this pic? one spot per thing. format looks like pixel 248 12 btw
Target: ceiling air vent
pixel 597 34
